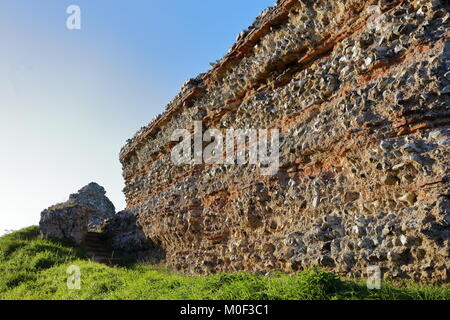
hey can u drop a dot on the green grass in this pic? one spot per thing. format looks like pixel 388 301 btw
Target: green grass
pixel 31 268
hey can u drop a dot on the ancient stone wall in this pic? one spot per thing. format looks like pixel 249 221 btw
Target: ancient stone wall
pixel 360 92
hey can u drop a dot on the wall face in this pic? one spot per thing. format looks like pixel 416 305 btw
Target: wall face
pixel 360 93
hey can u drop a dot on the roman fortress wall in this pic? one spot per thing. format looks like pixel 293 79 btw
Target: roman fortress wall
pixel 360 91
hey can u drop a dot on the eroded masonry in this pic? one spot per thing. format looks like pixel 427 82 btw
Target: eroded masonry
pixel 360 91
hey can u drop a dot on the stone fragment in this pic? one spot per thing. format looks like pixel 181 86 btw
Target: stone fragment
pixel 386 145
pixel 83 212
pixel 94 196
pixel 389 180
pixel 446 90
pixel 316 202
pixel 124 233
pixel 409 198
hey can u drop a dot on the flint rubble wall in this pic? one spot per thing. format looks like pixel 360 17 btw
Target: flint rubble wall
pixel 360 92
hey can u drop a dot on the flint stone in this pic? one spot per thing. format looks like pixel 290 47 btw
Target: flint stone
pixel 446 90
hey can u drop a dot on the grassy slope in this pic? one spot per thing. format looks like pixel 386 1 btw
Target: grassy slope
pixel 36 269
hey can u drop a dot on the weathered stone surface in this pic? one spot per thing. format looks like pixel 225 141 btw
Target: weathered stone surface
pixel 94 196
pixel 359 91
pixel 124 232
pixel 83 212
pixel 66 221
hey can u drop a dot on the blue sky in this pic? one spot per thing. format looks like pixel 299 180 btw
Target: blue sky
pixel 69 99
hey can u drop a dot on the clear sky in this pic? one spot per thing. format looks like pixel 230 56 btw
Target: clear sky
pixel 69 99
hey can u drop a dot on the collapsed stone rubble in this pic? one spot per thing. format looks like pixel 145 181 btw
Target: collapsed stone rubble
pixel 124 233
pixel 83 212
